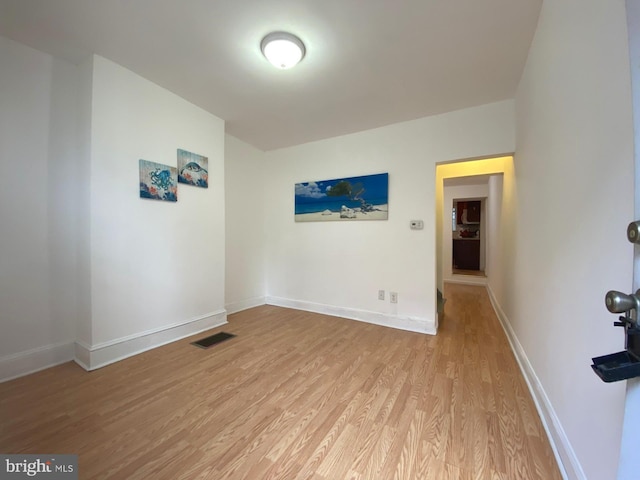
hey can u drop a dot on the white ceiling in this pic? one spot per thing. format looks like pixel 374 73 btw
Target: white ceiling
pixel 369 63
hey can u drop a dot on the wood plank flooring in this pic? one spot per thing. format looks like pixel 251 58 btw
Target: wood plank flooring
pixel 295 395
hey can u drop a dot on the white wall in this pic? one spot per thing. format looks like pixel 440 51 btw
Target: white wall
pixel 245 226
pixel 451 193
pixel 344 264
pixel 573 194
pixel 79 245
pixel 38 191
pixel 155 266
pixel 495 254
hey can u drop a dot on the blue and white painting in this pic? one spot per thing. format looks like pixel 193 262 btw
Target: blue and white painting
pixel 158 181
pixel 193 169
pixel 353 198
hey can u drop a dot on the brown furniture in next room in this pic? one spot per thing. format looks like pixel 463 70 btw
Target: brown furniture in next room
pixel 466 254
pixel 466 239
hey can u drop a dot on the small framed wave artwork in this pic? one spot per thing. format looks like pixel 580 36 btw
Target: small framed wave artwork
pixel 193 169
pixel 343 199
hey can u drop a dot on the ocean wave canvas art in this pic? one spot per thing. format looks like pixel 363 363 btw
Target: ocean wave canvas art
pixel 193 169
pixel 158 181
pixel 352 198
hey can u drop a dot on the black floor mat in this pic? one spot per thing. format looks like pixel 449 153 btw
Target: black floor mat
pixel 212 340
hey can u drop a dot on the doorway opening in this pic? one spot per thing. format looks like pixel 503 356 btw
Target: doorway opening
pixel 469 209
pixel 465 239
pixel 468 245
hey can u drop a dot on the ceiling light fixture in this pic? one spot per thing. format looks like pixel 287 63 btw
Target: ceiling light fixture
pixel 282 49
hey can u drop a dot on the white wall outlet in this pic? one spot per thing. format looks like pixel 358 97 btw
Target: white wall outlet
pixel 393 297
pixel 380 294
pixel 416 224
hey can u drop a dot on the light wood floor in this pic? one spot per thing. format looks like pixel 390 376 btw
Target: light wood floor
pixel 295 396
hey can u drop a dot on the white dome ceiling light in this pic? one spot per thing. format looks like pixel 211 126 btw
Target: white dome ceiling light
pixel 282 49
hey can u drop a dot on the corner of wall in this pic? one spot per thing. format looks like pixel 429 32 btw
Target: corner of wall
pixel 245 304
pixel 245 275
pixel 85 109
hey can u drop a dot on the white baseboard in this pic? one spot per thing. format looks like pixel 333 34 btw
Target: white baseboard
pixel 91 357
pixel 420 325
pixel 567 460
pixel 236 307
pixel 31 361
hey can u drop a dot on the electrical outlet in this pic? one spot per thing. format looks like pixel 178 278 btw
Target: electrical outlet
pixel 393 297
pixel 380 294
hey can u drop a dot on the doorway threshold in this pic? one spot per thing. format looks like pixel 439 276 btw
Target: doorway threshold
pixel 475 273
pixel 467 279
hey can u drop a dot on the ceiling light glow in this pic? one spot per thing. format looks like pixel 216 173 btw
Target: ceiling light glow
pixel 282 49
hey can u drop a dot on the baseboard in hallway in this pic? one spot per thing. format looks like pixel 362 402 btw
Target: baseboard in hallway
pixel 565 455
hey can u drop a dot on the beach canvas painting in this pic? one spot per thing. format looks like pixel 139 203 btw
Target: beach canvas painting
pixel 193 169
pixel 353 198
pixel 158 182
